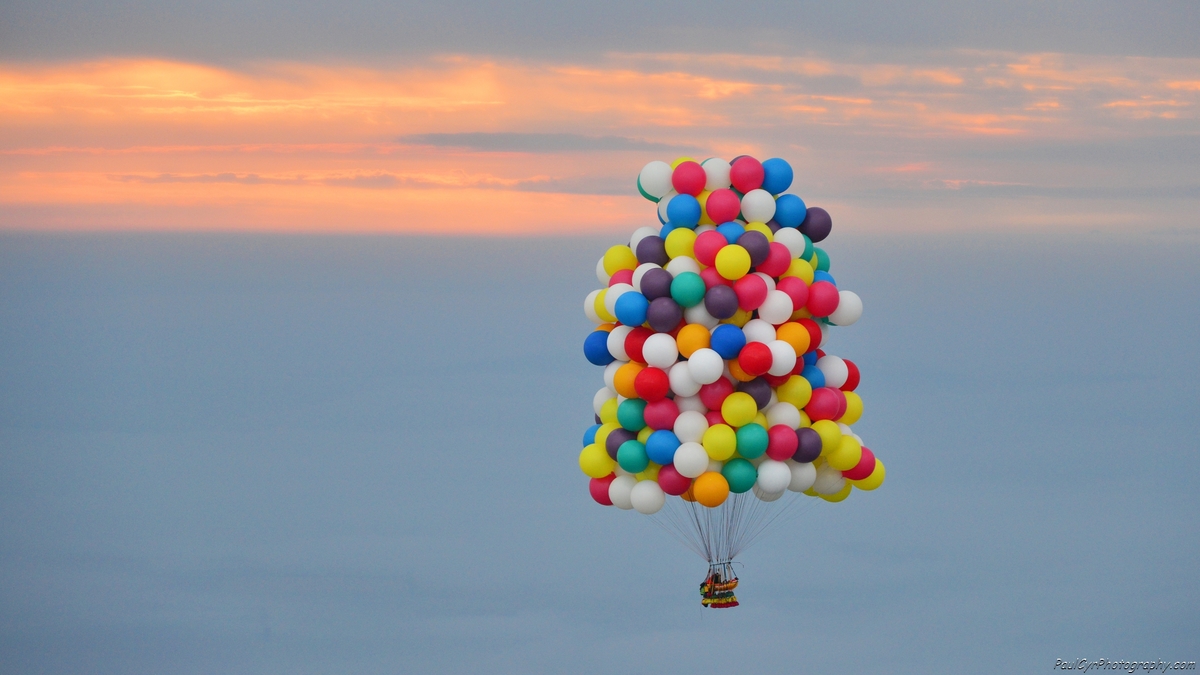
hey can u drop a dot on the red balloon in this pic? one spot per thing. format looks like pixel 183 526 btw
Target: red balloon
pixel 746 174
pixel 779 259
pixel 822 298
pixel 689 179
pixel 751 292
pixel 723 205
pixel 864 467
pixel 755 358
pixel 714 418
pixel 841 399
pixel 707 245
pixel 671 481
pixel 776 381
pixel 713 395
pixel 634 342
pixel 853 377
pixel 814 332
pixel 781 442
pixel 825 403
pixel 621 277
pixel 712 277
pixel 599 489
pixel 661 414
pixel 652 384
pixel 796 289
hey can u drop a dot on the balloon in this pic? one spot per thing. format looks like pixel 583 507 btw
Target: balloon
pixel 790 211
pixel 661 446
pixel 830 433
pixel 864 468
pixel 854 408
pixel 690 426
pixel 659 350
pixel 782 442
pixel 619 257
pixel 777 308
pixel 716 171
pixel 710 489
pixel 755 358
pixel 777 175
pixel 673 482
pixel 759 390
pixel 688 289
pixel 849 309
pixel 691 338
pixel 602 396
pixel 852 376
pixel 804 474
pixel 634 343
pixel 589 307
pixel 751 291
pixel 589 436
pixel 624 378
pixel 783 413
pixel 652 250
pixel 631 307
pixel 746 174
pixel 647 497
pixel 691 459
pixel 683 211
pixel 740 475
pixel 823 298
pixel 722 205
pixel 721 301
pixel 681 380
pixel 817 223
pixel 595 348
pixel 631 414
pixel 779 258
pixel 595 462
pixel 655 283
pixel 652 384
pixel 765 496
pixel 822 260
pixel 834 369
pixel 720 442
pixel 615 438
pixel 752 440
pixel 829 480
pixel 699 315
pixel 664 314
pixel 846 455
pixel 757 330
pixel 689 178
pixel 795 335
pixel 598 487
pixel 738 408
pixel 808 445
pixel 706 247
pixel 815 377
pixel 619 491
pixel 875 479
pixel 732 231
pixel 614 343
pixel 758 206
pixel 840 495
pixel 757 245
pixel 678 244
pixel 654 180
pixel 795 241
pixel 774 476
pixel 732 262
pixel 825 404
pixel 632 457
pixel 728 341
pixel 705 366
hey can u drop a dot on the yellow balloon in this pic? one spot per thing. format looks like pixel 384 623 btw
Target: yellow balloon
pixel 733 262
pixel 839 495
pixel 739 409
pixel 846 455
pixel 692 336
pixel 705 219
pixel 811 493
pixel 854 408
pixel 595 462
pixel 680 242
pixel 801 268
pixel 830 435
pixel 619 257
pixel 681 160
pixel 644 434
pixel 603 432
pixel 814 260
pixel 740 318
pixel 601 310
pixel 762 228
pixel 796 391
pixel 804 420
pixel 874 480
pixel 651 472
pixel 761 420
pixel 719 442
pixel 801 314
pixel 608 412
pixel 710 489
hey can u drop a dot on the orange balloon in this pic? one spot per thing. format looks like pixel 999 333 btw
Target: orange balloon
pixel 795 335
pixel 735 369
pixel 692 337
pixel 624 377
pixel 687 495
pixel 606 327
pixel 710 489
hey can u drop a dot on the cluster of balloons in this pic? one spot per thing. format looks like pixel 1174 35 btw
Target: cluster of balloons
pixel 709 330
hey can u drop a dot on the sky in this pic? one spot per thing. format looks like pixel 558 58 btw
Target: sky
pixel 290 366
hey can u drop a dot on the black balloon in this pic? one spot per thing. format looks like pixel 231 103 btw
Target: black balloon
pixel 656 283
pixel 817 223
pixel 664 314
pixel 652 250
pixel 721 301
pixel 756 245
pixel 759 389
pixel 809 447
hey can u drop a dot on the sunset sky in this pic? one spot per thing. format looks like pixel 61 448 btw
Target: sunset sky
pixel 536 118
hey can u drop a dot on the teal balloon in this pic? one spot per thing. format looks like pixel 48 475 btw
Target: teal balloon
pixel 688 289
pixel 808 248
pixel 752 441
pixel 822 259
pixel 740 473
pixel 633 458
pixel 631 414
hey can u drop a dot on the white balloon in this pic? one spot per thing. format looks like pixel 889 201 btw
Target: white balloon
pixel 600 273
pixel 589 307
pixel 641 272
pixel 758 206
pixel 829 480
pixel 824 334
pixel 783 413
pixel 655 178
pixel 691 459
pixel 610 373
pixel 774 399
pixel 766 496
pixel 616 342
pixel 619 491
pixel 690 426
pixel 660 350
pixel 792 238
pixel 640 234
pixel 715 466
pixel 621 472
pixel 757 330
pixel 803 475
pixel 758 460
pixel 776 309
pixel 849 309
pixel 845 428
pixel 783 358
pixel 682 382
pixel 767 280
pixel 647 497
pixel 834 369
pixel 698 313
pixel 692 403
pixel 603 395
pixel 701 229
pixel 773 476
pixel 614 293
pixel 706 366
pixel 683 264
pixel 662 205
pixel 716 172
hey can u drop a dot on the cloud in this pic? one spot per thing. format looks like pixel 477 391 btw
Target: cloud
pixel 537 142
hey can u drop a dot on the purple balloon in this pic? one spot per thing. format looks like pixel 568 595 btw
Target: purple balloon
pixel 616 438
pixel 664 314
pixel 756 245
pixel 817 223
pixel 773 225
pixel 656 284
pixel 759 389
pixel 721 301
pixel 652 250
pixel 809 447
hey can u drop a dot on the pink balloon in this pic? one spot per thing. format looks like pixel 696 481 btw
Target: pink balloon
pixel 688 179
pixel 707 245
pixel 746 174
pixel 672 482
pixel 864 467
pixel 796 289
pixel 723 205
pixel 823 298
pixel 779 259
pixel 781 442
pixel 751 292
pixel 661 414
pixel 599 489
pixel 825 404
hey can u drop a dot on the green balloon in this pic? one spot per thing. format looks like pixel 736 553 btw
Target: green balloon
pixel 632 457
pixel 822 259
pixel 808 247
pixel 631 414
pixel 752 441
pixel 740 474
pixel 688 289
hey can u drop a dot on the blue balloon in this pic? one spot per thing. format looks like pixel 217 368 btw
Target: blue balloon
pixel 790 211
pixel 727 340
pixel 667 228
pixel 631 308
pixel 815 377
pixel 589 436
pixel 810 358
pixel 777 175
pixel 661 445
pixel 683 211
pixel 823 276
pixel 595 348
pixel 731 231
